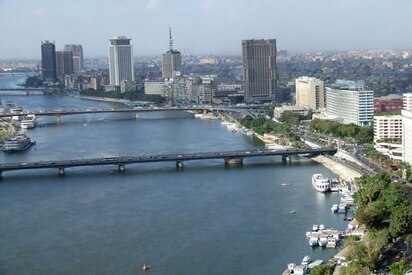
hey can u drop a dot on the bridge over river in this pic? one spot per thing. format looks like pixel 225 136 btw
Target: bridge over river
pixel 229 157
pixel 59 113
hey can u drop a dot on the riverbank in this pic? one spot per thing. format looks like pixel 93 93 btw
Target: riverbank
pixel 344 172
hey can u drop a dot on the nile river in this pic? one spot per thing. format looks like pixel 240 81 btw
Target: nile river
pixel 205 219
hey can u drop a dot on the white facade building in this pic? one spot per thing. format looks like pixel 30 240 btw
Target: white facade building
pixel 387 127
pixel 310 93
pixel 121 65
pixel 407 128
pixel 387 135
pixel 349 102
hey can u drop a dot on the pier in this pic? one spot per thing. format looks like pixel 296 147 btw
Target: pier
pixel 230 158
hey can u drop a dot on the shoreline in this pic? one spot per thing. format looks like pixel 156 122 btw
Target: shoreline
pixel 344 172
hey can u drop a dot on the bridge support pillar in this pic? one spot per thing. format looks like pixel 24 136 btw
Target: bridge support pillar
pixel 137 115
pixel 59 119
pixel 234 162
pixel 286 159
pixel 61 171
pixel 179 164
pixel 1 175
pixel 122 168
pixel 27 93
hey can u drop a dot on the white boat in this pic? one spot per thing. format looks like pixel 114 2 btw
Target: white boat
pixel 334 208
pixel 347 199
pixel 313 241
pixel 322 227
pixel 274 146
pixel 198 115
pixel 300 270
pixel 331 242
pixel 19 142
pixel 320 183
pixel 315 264
pixel 291 266
pixel 28 122
pixel 315 227
pixel 342 207
pixel 306 260
pixel 323 240
pixel 16 111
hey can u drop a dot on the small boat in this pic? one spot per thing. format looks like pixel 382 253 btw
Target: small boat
pixel 292 212
pixel 300 270
pixel 286 184
pixel 315 264
pixel 322 227
pixel 145 267
pixel 334 208
pixel 291 266
pixel 323 240
pixel 315 227
pixel 313 241
pixel 331 242
pixel 306 260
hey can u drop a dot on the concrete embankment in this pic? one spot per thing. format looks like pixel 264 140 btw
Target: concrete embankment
pixel 344 172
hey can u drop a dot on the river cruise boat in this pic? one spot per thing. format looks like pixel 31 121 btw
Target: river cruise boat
pixel 28 122
pixel 320 183
pixel 19 142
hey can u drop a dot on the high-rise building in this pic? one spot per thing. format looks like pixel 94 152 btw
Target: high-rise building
pixel 48 61
pixel 77 51
pixel 121 65
pixel 310 93
pixel 59 65
pixel 407 128
pixel 68 62
pixel 259 70
pixel 171 60
pixel 349 102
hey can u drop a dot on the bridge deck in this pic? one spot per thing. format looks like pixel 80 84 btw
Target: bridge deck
pixel 123 160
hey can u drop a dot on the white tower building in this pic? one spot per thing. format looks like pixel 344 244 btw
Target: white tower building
pixel 121 65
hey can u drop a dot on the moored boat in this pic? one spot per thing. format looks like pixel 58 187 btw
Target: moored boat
pixel 334 208
pixel 19 142
pixel 306 260
pixel 320 183
pixel 28 122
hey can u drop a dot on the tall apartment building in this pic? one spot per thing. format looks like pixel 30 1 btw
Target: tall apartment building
pixel 407 128
pixel 48 61
pixel 310 93
pixel 171 60
pixel 259 70
pixel 121 65
pixel 349 102
pixel 68 62
pixel 78 60
pixel 59 65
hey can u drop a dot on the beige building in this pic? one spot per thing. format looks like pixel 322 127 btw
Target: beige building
pixel 310 93
pixel 387 135
pixel 387 127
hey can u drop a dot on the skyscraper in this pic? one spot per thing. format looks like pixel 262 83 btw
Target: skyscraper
pixel 48 61
pixel 259 69
pixel 59 65
pixel 171 60
pixel 77 51
pixel 310 92
pixel 68 62
pixel 121 65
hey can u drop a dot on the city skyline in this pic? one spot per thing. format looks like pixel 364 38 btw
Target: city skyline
pixel 197 25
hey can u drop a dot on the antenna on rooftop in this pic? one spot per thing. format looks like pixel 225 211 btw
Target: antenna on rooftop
pixel 170 39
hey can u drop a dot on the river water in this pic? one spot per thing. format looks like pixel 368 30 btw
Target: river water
pixel 205 219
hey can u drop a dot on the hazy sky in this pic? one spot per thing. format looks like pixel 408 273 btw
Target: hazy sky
pixel 204 26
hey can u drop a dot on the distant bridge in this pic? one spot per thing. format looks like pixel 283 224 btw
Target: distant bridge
pixel 27 90
pixel 230 158
pixel 59 113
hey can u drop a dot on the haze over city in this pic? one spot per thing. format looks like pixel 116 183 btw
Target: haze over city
pixel 203 26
